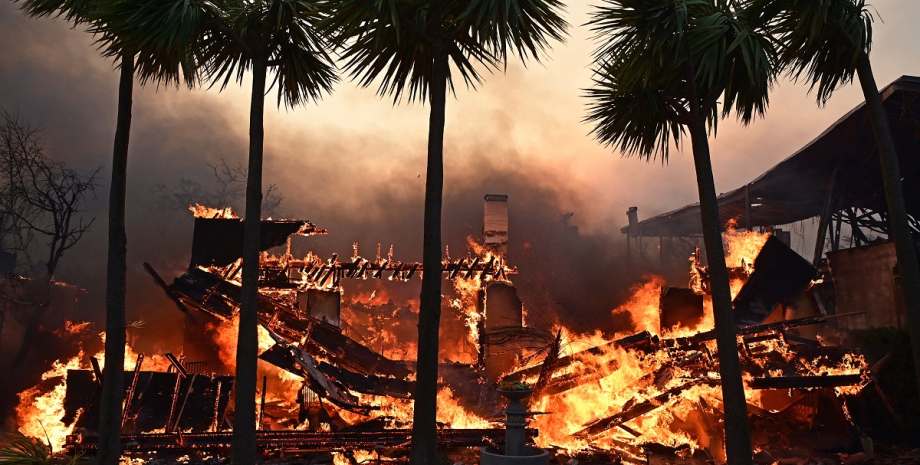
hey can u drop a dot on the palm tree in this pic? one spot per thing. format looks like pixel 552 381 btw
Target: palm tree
pixel 418 48
pixel 661 67
pixel 161 65
pixel 236 36
pixel 277 34
pixel 827 42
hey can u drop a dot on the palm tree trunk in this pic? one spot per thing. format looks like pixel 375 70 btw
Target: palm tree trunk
pixel 737 428
pixel 424 447
pixel 244 414
pixel 115 289
pixel 897 212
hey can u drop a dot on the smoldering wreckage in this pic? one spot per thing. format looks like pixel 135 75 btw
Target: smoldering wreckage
pixel 595 399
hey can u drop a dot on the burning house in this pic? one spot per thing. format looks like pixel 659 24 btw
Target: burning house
pixel 338 375
pixel 334 389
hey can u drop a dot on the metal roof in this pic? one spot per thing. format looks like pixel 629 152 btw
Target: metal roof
pixel 796 188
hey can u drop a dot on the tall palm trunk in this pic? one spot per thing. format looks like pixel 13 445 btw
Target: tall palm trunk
pixel 115 289
pixel 897 212
pixel 244 414
pixel 737 433
pixel 424 448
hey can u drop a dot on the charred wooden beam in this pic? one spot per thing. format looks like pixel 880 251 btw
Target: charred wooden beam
pixel 778 326
pixel 169 293
pixel 599 426
pixel 172 406
pixel 216 423
pixel 261 424
pixel 805 382
pixel 176 364
pixel 412 270
pixel 130 396
pixel 97 371
pixel 188 393
pixel 288 440
pixel 641 340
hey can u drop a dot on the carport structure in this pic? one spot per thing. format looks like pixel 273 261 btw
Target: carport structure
pixel 836 177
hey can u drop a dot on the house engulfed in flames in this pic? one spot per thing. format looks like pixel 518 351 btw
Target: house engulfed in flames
pixel 331 391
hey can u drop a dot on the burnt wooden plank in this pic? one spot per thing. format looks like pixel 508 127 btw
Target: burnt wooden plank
pixel 601 425
pixel 804 382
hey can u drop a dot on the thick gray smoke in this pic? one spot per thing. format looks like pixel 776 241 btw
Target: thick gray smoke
pixel 342 180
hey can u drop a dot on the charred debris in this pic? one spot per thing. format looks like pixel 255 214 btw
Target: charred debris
pixel 796 381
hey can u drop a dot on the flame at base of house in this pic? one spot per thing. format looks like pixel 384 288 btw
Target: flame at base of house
pixel 325 384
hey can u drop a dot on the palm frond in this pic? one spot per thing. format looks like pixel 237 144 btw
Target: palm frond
pixel 639 118
pixel 163 36
pixel 304 70
pixel 19 449
pixel 652 52
pixel 812 48
pixel 394 42
pixel 525 27
pixel 74 11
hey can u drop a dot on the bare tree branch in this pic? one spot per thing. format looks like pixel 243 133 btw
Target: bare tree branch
pixel 228 190
pixel 41 196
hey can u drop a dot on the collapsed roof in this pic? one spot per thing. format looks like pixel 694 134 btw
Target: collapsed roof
pixel 797 188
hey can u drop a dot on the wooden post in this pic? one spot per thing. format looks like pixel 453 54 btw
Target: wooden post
pixel 661 254
pixel 130 395
pixel 825 214
pixel 632 230
pixel 747 207
pixel 216 422
pixel 262 405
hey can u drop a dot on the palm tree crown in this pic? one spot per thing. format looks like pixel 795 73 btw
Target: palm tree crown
pixel 640 99
pixel 168 64
pixel 396 41
pixel 227 36
pixel 820 40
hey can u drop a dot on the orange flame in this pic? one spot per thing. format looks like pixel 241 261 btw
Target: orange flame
pixel 202 211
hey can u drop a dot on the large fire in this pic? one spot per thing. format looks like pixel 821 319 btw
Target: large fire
pixel 600 378
pixel 41 409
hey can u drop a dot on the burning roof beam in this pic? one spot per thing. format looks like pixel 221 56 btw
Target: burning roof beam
pixel 211 294
pixel 312 270
pixel 597 427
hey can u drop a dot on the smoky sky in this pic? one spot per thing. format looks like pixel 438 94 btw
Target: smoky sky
pixel 355 164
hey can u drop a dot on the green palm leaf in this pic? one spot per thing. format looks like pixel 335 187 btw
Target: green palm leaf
pixel 395 41
pixel 646 48
pixel 812 47
pixel 19 449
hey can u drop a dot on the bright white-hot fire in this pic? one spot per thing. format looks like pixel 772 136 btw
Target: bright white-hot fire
pixel 742 247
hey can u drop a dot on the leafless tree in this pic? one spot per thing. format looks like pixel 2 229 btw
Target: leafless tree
pixel 41 205
pixel 228 190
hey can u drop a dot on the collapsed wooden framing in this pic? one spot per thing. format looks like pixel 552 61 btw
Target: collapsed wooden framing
pixel 334 366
